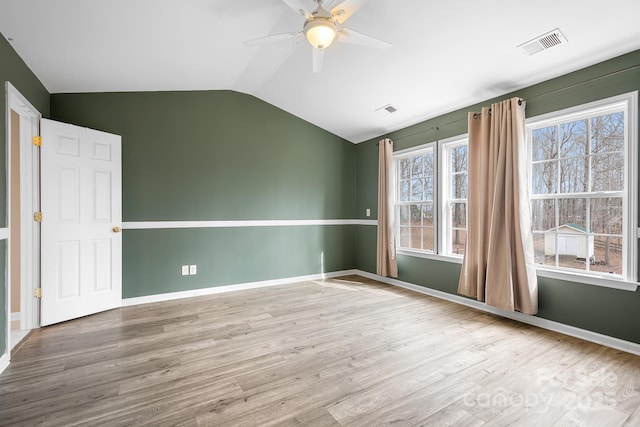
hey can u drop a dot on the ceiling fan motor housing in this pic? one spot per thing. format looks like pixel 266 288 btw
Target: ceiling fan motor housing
pixel 321 30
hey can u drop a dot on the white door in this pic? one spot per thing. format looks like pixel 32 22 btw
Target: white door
pixel 81 204
pixel 568 245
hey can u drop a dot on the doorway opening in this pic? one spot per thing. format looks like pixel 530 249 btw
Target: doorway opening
pixel 23 252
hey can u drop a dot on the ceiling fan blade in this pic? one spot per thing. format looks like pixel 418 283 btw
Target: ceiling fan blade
pixel 298 8
pixel 318 59
pixel 346 35
pixel 272 39
pixel 330 4
pixel 343 10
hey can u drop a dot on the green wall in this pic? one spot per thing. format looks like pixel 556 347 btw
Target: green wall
pixel 13 70
pixel 222 155
pixel 227 256
pixel 603 310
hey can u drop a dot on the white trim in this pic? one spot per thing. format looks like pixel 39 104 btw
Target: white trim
pixel 430 148
pixel 591 109
pixel 627 103
pixel 441 222
pixel 414 151
pixel 4 361
pixel 4 233
pixel 15 316
pixel 231 288
pixel 567 276
pixel 145 225
pixel 587 279
pixel 430 255
pixel 28 247
pixel 584 334
pixel 22 103
pixel 445 147
pixel 631 169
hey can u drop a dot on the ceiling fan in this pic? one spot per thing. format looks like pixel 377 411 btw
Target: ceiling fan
pixel 322 26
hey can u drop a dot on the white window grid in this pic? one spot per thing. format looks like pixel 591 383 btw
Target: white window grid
pixel 624 104
pixel 425 204
pixel 448 200
pixel 627 103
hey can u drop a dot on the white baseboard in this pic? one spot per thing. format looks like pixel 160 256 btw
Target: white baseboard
pixel 618 344
pixel 230 288
pixel 4 362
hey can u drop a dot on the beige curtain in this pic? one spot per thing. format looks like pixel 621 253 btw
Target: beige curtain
pixel 498 261
pixel 387 264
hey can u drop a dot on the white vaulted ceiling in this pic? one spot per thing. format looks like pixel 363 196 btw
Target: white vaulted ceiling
pixel 445 54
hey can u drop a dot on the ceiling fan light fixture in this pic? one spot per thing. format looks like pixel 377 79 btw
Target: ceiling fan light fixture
pixel 320 32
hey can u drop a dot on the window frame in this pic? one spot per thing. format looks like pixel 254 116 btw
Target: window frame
pixel 430 147
pixel 444 192
pixel 440 206
pixel 627 103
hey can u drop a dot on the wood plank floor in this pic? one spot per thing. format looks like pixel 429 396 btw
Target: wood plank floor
pixel 347 351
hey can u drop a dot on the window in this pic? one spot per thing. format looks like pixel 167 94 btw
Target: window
pixel 453 158
pixel 582 182
pixel 415 199
pixel 582 176
pixel 431 184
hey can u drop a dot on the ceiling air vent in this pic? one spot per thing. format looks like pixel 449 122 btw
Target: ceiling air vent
pixel 388 108
pixel 543 42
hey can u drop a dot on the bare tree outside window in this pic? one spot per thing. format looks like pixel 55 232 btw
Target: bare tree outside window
pixel 417 195
pixel 416 192
pixel 577 186
pixel 582 193
pixel 458 197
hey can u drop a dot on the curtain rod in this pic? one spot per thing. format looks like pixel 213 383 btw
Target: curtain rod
pixel 551 92
pixel 476 115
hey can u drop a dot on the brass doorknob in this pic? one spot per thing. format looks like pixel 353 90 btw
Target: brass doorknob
pixel 116 229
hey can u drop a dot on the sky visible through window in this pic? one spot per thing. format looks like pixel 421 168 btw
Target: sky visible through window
pixel 577 193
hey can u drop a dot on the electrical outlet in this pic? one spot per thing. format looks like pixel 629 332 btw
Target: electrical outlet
pixel 368 212
pixel 185 270
pixel 193 269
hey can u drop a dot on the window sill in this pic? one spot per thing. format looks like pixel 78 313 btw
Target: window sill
pixel 540 271
pixel 588 279
pixel 428 255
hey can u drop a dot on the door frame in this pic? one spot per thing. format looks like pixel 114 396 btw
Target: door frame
pixel 29 203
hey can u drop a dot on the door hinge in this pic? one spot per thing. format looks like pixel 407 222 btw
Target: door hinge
pixel 37 293
pixel 37 217
pixel 37 141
